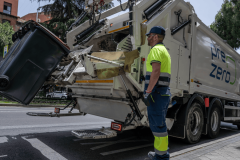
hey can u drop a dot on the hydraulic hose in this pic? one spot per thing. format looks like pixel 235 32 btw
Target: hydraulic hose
pixel 152 9
pixel 81 17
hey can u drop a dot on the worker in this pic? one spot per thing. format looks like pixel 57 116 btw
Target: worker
pixel 157 92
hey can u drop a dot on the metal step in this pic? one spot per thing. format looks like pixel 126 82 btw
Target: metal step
pixel 125 44
pixel 231 107
pixel 95 134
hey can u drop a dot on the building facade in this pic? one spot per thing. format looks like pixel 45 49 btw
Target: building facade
pixel 33 16
pixel 8 12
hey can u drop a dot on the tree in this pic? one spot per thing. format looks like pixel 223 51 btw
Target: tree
pixel 227 23
pixel 64 13
pixel 6 32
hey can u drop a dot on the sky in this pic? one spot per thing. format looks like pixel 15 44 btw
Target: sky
pixel 205 9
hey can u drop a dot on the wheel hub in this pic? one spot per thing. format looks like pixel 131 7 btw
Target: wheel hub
pixel 214 121
pixel 195 122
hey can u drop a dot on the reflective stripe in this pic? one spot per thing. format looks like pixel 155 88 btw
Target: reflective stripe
pixel 160 152
pixel 164 134
pixel 164 79
pixel 148 73
pixel 163 83
pixel 165 75
pixel 159 83
pixel 161 145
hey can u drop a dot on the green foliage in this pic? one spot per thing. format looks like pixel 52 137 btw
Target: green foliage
pixel 6 32
pixel 63 9
pixel 64 13
pixel 227 23
pixel 57 27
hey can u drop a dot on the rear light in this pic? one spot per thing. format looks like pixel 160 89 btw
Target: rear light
pixel 143 60
pixel 206 102
pixel 57 110
pixel 116 126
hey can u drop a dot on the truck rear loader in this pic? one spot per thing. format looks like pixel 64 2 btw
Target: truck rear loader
pixel 103 63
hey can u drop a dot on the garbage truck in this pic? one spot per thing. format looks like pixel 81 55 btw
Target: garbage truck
pixel 103 63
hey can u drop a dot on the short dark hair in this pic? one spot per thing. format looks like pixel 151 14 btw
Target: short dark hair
pixel 160 37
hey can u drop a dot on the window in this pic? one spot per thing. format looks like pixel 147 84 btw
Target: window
pixel 7 8
pixel 4 20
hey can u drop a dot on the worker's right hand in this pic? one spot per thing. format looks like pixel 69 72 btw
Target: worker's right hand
pixel 147 98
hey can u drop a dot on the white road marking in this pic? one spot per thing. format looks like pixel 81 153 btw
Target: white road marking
pixel 181 152
pixel 3 156
pixel 44 149
pixel 55 125
pixel 3 139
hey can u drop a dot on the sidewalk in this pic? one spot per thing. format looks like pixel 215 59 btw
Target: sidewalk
pixel 222 149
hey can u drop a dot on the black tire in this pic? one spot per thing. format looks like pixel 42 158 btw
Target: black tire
pixel 4 82
pixel 214 122
pixel 48 96
pixel 194 123
pixel 63 97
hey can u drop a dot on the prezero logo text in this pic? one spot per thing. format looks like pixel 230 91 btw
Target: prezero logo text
pixel 219 73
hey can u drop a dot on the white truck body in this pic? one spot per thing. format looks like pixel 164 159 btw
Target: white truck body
pixel 202 63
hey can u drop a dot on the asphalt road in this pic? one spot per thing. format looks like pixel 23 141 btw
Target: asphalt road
pixel 24 137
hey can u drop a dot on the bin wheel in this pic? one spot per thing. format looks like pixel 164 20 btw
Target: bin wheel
pixel 194 123
pixel 214 122
pixel 4 82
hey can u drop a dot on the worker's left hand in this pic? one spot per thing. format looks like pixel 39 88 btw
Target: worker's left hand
pixel 147 98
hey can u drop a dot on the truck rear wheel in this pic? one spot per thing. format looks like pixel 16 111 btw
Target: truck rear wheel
pixel 194 123
pixel 214 122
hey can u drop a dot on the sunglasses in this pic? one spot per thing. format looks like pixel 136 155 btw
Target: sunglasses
pixel 151 35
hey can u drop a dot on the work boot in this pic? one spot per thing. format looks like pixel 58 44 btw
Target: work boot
pixel 154 156
pixel 151 155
